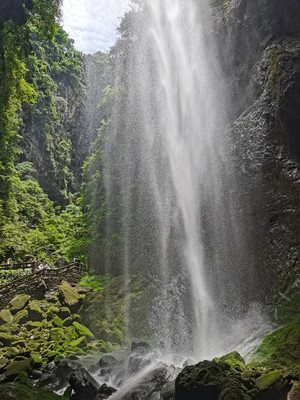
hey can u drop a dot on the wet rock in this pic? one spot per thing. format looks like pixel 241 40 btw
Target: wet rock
pixel 107 364
pixel 150 383
pixel 56 376
pixel 141 356
pixel 210 380
pixel 106 391
pixel 83 384
pixel 168 391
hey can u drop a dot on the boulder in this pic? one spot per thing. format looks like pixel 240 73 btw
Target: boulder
pixel 34 312
pixel 5 316
pixel 106 391
pixel 56 376
pixel 68 296
pixel 64 313
pixel 19 302
pixel 83 384
pixel 141 356
pixel 107 364
pixel 150 384
pixel 82 330
pixel 210 380
pixel 16 367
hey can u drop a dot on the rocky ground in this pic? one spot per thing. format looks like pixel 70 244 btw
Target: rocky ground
pixel 43 342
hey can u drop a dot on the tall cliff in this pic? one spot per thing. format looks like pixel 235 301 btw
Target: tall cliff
pixel 260 47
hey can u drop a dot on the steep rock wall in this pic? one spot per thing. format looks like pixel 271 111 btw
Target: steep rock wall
pixel 260 47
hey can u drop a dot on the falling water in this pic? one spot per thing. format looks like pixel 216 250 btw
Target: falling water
pixel 169 179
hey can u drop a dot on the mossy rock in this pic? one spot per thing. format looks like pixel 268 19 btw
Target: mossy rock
pixel 57 322
pixel 82 330
pixel 80 342
pixel 57 335
pixel 20 343
pixel 19 302
pixel 64 313
pixel 110 326
pixel 37 359
pixel 3 362
pixel 6 338
pixel 267 380
pixel 15 367
pixel 23 378
pixel 52 312
pixel 21 317
pixel 10 328
pixel 68 296
pixel 281 348
pixel 5 316
pixel 19 391
pixel 12 352
pixel 68 321
pixel 31 325
pixel 34 312
pixel 211 380
pixel 70 333
pixel 234 360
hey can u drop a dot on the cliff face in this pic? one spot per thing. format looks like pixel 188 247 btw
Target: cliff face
pixel 260 47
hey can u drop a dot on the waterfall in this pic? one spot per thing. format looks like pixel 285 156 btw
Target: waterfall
pixel 170 184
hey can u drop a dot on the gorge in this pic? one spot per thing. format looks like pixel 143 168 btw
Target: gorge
pixel 170 166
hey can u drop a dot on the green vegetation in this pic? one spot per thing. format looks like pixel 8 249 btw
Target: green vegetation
pixel 96 282
pixel 281 348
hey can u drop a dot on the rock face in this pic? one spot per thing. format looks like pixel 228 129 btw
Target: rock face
pixel 260 47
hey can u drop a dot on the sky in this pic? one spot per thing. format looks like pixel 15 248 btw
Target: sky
pixel 92 23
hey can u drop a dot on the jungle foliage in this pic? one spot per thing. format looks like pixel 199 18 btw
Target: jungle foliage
pixel 38 67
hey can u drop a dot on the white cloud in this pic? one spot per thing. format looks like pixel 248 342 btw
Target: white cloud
pixel 92 23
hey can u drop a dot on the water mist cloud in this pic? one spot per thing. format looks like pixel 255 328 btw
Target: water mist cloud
pixel 92 23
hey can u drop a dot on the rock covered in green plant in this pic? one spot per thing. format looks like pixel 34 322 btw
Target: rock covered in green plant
pixel 68 296
pixel 19 391
pixel 19 302
pixel 281 349
pixel 5 316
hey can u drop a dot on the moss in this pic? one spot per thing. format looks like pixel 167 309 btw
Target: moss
pixel 34 325
pixel 12 352
pixel 15 367
pixel 5 316
pixel 234 360
pixel 34 311
pixel 267 380
pixel 70 333
pixel 82 330
pixel 3 362
pixel 6 338
pixel 57 335
pixel 19 302
pixel 10 328
pixel 281 348
pixel 68 321
pixel 21 317
pixel 68 295
pixel 19 391
pixel 79 342
pixel 57 322
pixel 64 313
pixel 52 312
pixel 36 359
